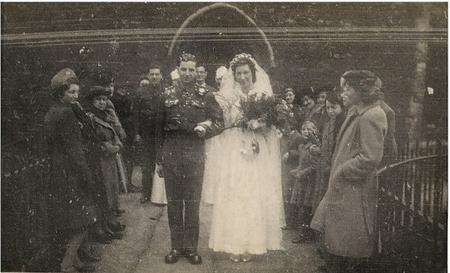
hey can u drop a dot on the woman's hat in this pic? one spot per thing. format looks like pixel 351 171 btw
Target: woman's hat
pixel 98 75
pixel 63 77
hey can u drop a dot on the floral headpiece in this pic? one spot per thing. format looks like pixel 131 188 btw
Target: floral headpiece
pixel 187 57
pixel 242 56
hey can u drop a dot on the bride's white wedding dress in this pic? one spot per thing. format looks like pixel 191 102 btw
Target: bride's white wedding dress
pixel 214 157
pixel 248 207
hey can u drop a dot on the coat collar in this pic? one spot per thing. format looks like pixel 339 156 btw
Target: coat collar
pixel 102 122
pixel 360 109
pixel 354 111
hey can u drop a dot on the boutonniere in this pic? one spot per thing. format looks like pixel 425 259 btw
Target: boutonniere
pixel 202 91
pixel 196 103
pixel 171 102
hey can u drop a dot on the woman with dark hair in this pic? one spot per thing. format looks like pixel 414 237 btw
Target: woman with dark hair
pixel 248 204
pixel 103 151
pixel 72 210
pixel 346 214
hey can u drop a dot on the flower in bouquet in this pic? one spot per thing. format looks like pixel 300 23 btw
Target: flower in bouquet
pixel 257 112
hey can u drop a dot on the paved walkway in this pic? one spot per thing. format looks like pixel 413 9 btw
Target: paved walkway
pixel 146 242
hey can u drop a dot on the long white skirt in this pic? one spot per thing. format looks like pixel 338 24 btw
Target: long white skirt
pixel 214 156
pixel 248 206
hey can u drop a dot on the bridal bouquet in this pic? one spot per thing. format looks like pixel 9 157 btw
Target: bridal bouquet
pixel 258 114
pixel 258 111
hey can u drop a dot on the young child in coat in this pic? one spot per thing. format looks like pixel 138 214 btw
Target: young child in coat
pixel 336 115
pixel 304 177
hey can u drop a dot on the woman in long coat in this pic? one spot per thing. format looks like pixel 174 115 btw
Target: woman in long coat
pixel 346 214
pixel 71 205
pixel 102 157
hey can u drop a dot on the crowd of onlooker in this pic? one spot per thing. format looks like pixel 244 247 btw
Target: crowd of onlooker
pixel 332 145
pixel 331 142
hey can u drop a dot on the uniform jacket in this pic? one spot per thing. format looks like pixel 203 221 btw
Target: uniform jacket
pixel 346 214
pixel 209 89
pixel 70 181
pixel 187 106
pixel 184 108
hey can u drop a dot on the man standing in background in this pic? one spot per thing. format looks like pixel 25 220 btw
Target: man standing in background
pixel 147 119
pixel 202 74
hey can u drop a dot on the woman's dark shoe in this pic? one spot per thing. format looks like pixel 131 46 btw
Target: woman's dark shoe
pixel 114 235
pixel 100 236
pixel 173 256
pixel 87 257
pixel 117 227
pixel 193 257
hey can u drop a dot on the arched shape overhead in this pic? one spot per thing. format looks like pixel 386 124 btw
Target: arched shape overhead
pixel 218 6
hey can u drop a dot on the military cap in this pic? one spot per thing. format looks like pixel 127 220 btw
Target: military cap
pixel 63 77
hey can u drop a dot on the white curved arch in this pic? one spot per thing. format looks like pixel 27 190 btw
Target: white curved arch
pixel 217 6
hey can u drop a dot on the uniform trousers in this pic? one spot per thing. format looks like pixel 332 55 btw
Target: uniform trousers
pixel 146 158
pixel 183 166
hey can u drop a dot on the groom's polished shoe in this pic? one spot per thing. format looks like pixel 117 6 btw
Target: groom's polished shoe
pixel 193 257
pixel 173 256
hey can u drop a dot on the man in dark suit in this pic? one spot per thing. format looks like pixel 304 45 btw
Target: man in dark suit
pixel 191 114
pixel 390 150
pixel 201 78
pixel 147 119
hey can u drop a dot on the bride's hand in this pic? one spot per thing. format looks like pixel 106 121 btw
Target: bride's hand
pixel 255 124
pixel 200 130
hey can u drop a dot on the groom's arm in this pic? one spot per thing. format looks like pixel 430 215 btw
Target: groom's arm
pixel 214 124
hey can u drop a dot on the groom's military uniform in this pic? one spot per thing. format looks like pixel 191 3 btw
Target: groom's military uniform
pixel 182 156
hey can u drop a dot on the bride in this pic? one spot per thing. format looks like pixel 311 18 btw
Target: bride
pixel 247 213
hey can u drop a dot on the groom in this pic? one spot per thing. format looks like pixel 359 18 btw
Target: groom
pixel 191 114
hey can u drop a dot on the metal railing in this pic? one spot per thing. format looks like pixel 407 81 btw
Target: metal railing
pixel 412 209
